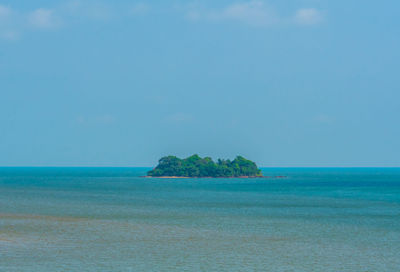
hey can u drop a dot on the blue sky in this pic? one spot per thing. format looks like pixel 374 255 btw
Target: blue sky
pixel 122 83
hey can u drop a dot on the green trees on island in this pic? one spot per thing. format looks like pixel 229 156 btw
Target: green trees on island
pixel 195 166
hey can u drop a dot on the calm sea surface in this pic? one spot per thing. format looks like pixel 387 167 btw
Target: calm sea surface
pixel 111 219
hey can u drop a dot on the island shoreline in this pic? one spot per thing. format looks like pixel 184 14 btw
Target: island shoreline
pixel 184 177
pixel 198 167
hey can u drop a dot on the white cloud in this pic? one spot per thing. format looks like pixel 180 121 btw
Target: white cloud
pixel 308 16
pixel 99 11
pixel 254 13
pixel 193 15
pixel 6 24
pixel 9 35
pixel 139 8
pixel 95 10
pixel 324 119
pixel 105 119
pixel 178 117
pixel 4 12
pixel 43 18
pixel 14 23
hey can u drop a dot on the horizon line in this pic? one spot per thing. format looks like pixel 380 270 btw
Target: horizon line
pixel 53 166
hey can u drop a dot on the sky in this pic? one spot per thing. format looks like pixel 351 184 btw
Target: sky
pixel 300 83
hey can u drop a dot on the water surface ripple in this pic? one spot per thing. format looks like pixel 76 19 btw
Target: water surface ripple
pixel 111 219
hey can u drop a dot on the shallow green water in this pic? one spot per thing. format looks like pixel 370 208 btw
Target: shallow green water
pixel 110 219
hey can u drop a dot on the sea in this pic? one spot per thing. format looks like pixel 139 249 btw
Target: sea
pixel 113 219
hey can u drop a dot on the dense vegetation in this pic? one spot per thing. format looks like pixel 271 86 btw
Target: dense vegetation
pixel 195 166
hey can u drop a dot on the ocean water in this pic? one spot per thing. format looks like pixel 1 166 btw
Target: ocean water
pixel 111 219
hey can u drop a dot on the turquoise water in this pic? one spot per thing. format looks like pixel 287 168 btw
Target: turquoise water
pixel 111 219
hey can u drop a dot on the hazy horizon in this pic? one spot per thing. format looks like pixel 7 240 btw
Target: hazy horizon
pixel 152 166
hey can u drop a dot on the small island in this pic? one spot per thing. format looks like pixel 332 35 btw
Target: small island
pixel 196 167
